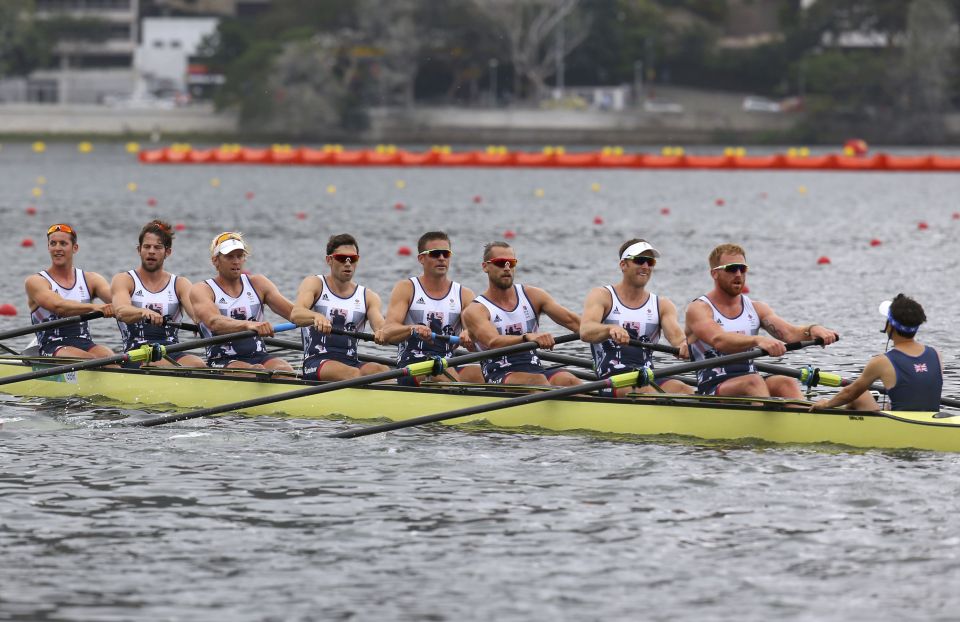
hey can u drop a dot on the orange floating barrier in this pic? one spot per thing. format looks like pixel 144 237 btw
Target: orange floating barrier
pixel 706 161
pixel 495 159
pixel 315 156
pixel 777 161
pixel 906 163
pixel 874 163
pixel 383 159
pixel 254 156
pixel 535 159
pixel 577 160
pixel 226 156
pixel 349 158
pixel 175 156
pixel 286 156
pixel 659 161
pixel 620 161
pixel 944 163
pixel 467 158
pixel 200 156
pixel 427 158
pixel 810 162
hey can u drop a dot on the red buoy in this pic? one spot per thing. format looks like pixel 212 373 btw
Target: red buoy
pixel 399 207
pixel 509 234
pixel 956 216
pixel 823 260
pixel 8 309
pixel 856 146
pixel 249 195
pixel 26 242
pixel 720 202
pixel 301 215
pixel 875 242
pixel 179 226
pixel 152 202
pixel 665 211
pixel 31 210
pixel 477 199
pixel 404 251
pixel 922 225
pixel 598 220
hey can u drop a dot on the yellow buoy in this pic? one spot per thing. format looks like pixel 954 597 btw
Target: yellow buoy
pixel 401 184
pixel 132 187
pixel 37 192
pixel 215 182
pixel 331 189
pixel 595 187
pixel 802 189
pixel 39 146
pixel 539 193
pixel 85 147
pixel 41 180
pixel 133 147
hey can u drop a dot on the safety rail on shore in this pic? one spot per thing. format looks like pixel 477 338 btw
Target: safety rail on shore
pixel 734 159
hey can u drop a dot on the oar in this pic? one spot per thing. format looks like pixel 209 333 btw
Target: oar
pixel 628 379
pixel 65 321
pixel 422 368
pixel 146 352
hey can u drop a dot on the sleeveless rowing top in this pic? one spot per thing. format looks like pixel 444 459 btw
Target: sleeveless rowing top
pixel 348 313
pixel 165 302
pixel 919 381
pixel 440 315
pixel 78 293
pixel 517 321
pixel 247 306
pixel 642 323
pixel 747 323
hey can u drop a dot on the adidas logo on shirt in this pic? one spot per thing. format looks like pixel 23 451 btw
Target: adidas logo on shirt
pixel 139 292
pixel 421 301
pixel 324 297
pixel 616 311
pixel 496 319
pixel 223 300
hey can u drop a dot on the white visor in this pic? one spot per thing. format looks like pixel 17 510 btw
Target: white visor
pixel 885 308
pixel 230 245
pixel 635 250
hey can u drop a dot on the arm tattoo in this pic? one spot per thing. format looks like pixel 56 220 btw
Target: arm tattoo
pixel 772 329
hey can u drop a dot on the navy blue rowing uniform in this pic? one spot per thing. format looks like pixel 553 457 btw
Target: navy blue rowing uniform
pixel 919 380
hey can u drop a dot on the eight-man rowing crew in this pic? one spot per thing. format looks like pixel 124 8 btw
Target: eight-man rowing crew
pixel 429 315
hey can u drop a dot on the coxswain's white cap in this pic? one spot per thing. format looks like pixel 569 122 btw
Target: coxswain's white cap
pixel 637 249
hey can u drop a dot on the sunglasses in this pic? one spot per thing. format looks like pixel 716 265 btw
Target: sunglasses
pixel 641 260
pixel 61 227
pixel 344 257
pixel 733 267
pixel 223 237
pixel 437 253
pixel 503 261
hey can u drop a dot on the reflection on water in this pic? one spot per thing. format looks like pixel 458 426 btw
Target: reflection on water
pixel 254 519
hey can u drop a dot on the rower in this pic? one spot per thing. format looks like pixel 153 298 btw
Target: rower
pixel 62 291
pixel 726 320
pixel 149 302
pixel 615 314
pixel 335 301
pixel 233 302
pixel 506 314
pixel 911 372
pixel 428 305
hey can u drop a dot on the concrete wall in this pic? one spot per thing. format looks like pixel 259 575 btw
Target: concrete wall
pixel 76 119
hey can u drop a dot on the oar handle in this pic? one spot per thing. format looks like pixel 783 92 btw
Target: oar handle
pixel 65 321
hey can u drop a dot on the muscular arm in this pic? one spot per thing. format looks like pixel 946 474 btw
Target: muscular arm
pixel 592 328
pixel 374 313
pixel 271 296
pixel 40 294
pixel 302 314
pixel 554 310
pixel 701 325
pixel 476 319
pixel 183 293
pixel 201 296
pixel 879 367
pixel 394 330
pixel 670 325
pixel 778 328
pixel 120 287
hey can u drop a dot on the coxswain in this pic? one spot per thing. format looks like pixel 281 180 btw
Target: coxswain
pixel 149 302
pixel 911 372
pixel 63 291
pixel 614 315
pixel 232 302
pixel 507 314
pixel 335 301
pixel 726 321
pixel 428 306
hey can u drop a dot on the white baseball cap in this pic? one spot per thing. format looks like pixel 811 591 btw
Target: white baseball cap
pixel 637 249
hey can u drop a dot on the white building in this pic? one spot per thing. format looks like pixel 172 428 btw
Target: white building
pixel 162 59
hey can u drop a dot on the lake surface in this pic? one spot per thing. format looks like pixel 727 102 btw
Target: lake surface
pixel 268 519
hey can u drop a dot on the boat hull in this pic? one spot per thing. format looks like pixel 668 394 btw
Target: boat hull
pixel 705 418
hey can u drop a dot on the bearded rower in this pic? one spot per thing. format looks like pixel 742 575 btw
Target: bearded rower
pixel 725 321
pixel 335 301
pixel 232 302
pixel 507 314
pixel 149 301
pixel 63 291
pixel 616 314
pixel 427 305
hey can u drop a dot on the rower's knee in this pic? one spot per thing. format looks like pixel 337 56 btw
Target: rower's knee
pixel 564 379
pixel 783 386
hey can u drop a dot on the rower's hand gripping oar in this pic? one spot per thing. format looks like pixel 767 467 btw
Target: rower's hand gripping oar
pixel 143 354
pixel 64 321
pixel 639 377
pixel 431 367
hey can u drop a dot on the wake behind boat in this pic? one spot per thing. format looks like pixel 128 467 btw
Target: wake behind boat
pixel 646 416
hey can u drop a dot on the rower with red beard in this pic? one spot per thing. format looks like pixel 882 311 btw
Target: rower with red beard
pixel 725 321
